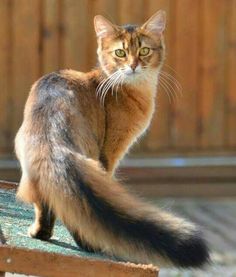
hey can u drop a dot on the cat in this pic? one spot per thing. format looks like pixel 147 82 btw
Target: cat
pixel 77 127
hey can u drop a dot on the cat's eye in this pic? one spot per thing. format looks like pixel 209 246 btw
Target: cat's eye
pixel 144 51
pixel 120 53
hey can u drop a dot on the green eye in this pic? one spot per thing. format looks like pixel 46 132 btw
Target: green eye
pixel 144 51
pixel 120 53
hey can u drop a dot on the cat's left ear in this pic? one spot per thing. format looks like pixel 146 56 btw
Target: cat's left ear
pixel 156 24
pixel 103 27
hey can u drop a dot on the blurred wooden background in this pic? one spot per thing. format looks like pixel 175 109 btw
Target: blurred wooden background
pixel 39 36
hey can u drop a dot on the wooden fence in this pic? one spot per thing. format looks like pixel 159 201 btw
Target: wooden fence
pixel 39 36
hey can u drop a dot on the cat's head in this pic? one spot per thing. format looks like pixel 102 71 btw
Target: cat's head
pixel 130 50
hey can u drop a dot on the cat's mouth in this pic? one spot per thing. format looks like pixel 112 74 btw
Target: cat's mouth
pixel 133 73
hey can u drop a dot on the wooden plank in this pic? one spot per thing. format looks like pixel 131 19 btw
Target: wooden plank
pixel 212 59
pixel 5 46
pixel 50 36
pixel 25 54
pixel 231 62
pixel 157 137
pixel 172 162
pixel 178 190
pixel 215 239
pixel 12 174
pixel 221 212
pixel 132 11
pixel 107 8
pixel 173 171
pixel 180 174
pixel 60 256
pixel 2 242
pixel 39 263
pixel 215 223
pixel 7 185
pixel 184 117
pixel 76 34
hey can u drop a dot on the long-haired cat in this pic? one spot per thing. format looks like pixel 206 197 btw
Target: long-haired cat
pixel 77 126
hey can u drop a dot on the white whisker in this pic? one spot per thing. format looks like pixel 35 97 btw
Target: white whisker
pixel 120 84
pixel 171 88
pixel 173 80
pixel 171 68
pixel 108 86
pixel 104 86
pixel 166 90
pixel 116 81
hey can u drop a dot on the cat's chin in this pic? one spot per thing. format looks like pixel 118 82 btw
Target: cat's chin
pixel 133 78
pixel 137 77
pixel 143 81
pixel 136 81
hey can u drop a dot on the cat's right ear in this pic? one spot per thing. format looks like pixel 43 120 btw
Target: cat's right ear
pixel 103 27
pixel 156 24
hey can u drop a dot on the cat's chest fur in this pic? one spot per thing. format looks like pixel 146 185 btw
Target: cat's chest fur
pixel 131 111
pixel 129 114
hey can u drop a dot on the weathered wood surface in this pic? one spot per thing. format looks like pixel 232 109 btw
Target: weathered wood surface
pixel 47 264
pixel 8 185
pixel 25 56
pixel 216 217
pixel 58 257
pixel 2 242
pixel 48 35
pixel 231 80
pixel 176 177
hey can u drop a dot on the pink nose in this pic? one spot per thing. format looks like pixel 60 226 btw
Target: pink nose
pixel 134 65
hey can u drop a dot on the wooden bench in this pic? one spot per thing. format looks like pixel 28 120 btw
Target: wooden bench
pixel 58 257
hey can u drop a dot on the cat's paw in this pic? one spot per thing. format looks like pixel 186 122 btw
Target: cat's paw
pixel 36 232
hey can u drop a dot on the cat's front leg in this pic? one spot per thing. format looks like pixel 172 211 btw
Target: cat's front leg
pixel 111 154
pixel 42 228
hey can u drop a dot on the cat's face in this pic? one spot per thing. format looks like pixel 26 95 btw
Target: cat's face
pixel 130 51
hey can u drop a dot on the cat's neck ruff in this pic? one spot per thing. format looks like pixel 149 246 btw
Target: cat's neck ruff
pixel 146 83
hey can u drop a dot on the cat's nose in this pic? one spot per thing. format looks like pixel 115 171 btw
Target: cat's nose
pixel 134 65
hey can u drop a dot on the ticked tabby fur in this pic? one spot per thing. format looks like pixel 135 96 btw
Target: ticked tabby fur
pixel 77 127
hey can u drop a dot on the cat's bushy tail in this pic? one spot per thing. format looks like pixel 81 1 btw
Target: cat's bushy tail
pixel 104 216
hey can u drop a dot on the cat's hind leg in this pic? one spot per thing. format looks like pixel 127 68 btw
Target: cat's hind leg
pixel 42 228
pixel 28 192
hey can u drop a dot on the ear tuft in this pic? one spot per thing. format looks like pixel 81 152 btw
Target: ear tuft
pixel 156 24
pixel 103 27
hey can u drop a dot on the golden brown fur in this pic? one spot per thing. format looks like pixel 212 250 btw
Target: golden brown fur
pixel 77 126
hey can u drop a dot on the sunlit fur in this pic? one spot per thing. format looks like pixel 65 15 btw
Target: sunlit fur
pixel 131 39
pixel 69 146
pixel 118 70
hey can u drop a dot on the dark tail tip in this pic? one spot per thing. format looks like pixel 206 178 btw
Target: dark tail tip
pixel 192 252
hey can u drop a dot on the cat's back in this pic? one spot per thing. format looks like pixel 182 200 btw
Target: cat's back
pixel 64 87
pixel 64 100
pixel 62 83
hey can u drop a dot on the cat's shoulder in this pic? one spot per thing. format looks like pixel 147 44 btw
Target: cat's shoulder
pixel 60 77
pixel 63 85
pixel 67 77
